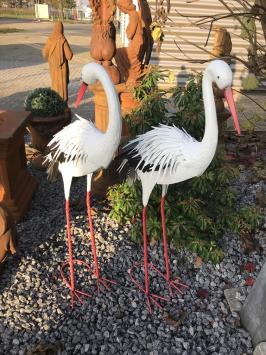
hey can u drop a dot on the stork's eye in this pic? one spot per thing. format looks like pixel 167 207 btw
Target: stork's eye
pixel 218 77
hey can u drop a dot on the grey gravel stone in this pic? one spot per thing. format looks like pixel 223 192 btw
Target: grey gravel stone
pixel 253 313
pixel 232 298
pixel 260 349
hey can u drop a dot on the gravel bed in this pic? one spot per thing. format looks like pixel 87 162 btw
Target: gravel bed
pixel 34 302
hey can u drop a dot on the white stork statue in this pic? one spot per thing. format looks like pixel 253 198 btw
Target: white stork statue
pixel 81 149
pixel 167 155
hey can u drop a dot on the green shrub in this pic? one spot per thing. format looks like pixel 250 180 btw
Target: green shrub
pixel 45 102
pixel 197 211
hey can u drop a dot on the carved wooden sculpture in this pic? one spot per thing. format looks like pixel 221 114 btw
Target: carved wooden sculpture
pixel 146 21
pixel 131 60
pixel 58 52
pixel 259 7
pixel 222 46
pixel 103 45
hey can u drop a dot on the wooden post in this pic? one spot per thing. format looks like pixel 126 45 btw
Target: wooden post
pixel 16 184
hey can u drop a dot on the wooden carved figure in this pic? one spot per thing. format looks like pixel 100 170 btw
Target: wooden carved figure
pixel 103 36
pixel 58 52
pixel 222 46
pixel 222 43
pixel 146 18
pixel 131 60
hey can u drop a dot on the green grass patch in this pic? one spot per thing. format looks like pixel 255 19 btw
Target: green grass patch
pixel 17 12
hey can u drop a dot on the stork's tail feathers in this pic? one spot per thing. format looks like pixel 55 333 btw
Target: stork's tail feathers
pixel 131 176
pixel 127 172
pixel 52 168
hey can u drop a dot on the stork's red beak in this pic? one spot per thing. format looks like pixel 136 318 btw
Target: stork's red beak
pixel 81 93
pixel 232 107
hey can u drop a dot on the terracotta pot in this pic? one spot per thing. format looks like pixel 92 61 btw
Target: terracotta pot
pixel 42 129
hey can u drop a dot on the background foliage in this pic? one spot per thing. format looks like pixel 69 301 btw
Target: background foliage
pixel 198 211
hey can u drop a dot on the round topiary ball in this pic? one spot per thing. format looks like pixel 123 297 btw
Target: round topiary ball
pixel 45 102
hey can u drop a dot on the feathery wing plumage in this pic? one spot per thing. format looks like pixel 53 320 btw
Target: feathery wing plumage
pixel 162 147
pixel 73 141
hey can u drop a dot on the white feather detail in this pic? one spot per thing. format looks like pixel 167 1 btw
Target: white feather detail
pixel 72 141
pixel 164 146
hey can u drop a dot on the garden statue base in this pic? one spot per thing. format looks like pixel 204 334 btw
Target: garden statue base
pixel 127 101
pixel 16 184
pixel 8 240
pixel 253 313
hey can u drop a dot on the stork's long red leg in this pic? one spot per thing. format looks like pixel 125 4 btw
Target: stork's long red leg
pixel 75 294
pixel 145 249
pixel 94 250
pixel 100 280
pixel 150 297
pixel 172 283
pixel 165 246
pixel 70 255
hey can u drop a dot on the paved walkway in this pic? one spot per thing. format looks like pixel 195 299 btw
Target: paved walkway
pixel 22 67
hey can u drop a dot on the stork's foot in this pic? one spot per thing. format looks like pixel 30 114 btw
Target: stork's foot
pixel 76 295
pixel 151 298
pixel 174 285
pixel 104 283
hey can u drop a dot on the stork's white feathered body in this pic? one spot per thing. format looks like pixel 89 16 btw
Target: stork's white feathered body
pixel 84 147
pixel 167 155
pixel 81 149
pixel 172 154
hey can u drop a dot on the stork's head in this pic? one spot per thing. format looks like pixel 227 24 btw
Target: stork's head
pixel 220 73
pixel 90 73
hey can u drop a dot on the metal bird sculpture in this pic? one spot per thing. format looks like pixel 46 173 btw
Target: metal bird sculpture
pixel 168 155
pixel 81 149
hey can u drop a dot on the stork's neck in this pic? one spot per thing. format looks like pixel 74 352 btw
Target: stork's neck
pixel 210 138
pixel 113 132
